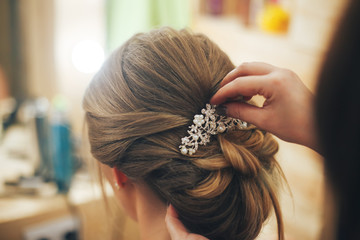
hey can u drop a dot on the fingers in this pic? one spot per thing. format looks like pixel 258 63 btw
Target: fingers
pixel 245 86
pixel 246 69
pixel 246 80
pixel 246 112
pixel 176 229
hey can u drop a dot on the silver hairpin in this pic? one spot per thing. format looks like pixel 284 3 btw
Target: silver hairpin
pixel 204 125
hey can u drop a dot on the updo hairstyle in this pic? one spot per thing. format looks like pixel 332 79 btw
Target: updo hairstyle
pixel 140 105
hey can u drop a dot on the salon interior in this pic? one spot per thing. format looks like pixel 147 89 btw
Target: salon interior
pixel 51 49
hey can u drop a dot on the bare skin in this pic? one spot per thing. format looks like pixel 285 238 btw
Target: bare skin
pixel 140 203
pixel 288 108
pixel 287 113
pixel 176 229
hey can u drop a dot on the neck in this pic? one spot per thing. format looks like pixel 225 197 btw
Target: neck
pixel 151 213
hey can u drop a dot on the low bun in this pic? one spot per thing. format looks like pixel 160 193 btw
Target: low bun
pixel 241 165
pixel 248 151
pixel 140 105
pixel 240 158
pixel 213 185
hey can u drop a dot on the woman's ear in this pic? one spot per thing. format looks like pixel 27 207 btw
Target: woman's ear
pixel 120 177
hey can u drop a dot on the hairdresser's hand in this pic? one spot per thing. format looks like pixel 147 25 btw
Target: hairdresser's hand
pixel 288 109
pixel 176 228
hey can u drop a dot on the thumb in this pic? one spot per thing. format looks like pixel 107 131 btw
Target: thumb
pixel 176 229
pixel 246 112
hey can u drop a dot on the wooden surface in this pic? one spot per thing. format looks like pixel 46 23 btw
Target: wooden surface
pixel 98 220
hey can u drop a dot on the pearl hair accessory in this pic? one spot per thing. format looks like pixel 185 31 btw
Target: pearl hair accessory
pixel 206 124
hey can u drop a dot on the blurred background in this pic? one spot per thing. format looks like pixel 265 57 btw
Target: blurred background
pixel 49 51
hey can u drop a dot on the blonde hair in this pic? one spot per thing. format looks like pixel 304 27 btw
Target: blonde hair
pixel 140 105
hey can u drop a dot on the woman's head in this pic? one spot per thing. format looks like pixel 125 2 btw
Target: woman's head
pixel 140 105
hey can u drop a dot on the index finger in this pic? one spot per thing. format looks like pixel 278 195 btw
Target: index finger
pixel 242 86
pixel 246 69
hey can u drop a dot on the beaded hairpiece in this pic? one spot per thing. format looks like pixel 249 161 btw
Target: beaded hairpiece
pixel 206 124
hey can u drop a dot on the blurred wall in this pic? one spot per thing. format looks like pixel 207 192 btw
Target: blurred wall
pixel 75 22
pixel 11 50
pixel 37 28
pixel 313 22
pixel 125 18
